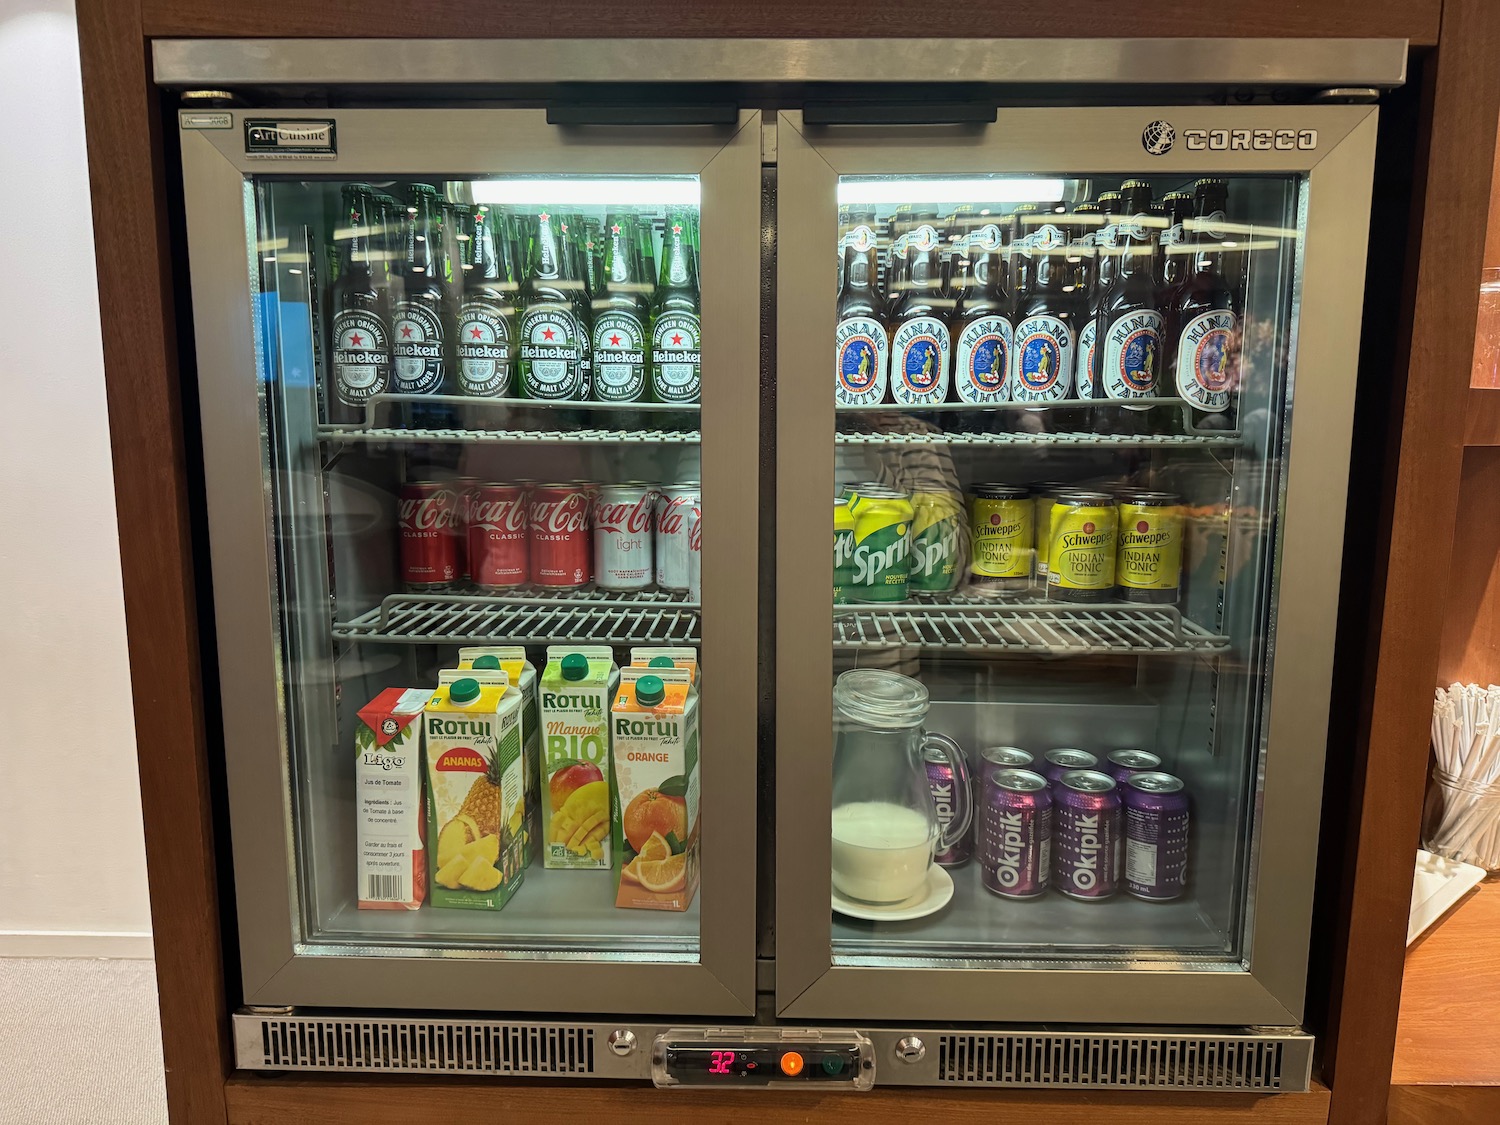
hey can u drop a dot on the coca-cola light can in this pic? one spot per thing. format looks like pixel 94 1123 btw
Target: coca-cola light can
pixel 1086 834
pixel 624 519
pixel 1015 832
pixel 1156 836
pixel 1124 764
pixel 1065 758
pixel 674 510
pixel 941 781
pixel 427 514
pixel 557 524
pixel 695 554
pixel 499 558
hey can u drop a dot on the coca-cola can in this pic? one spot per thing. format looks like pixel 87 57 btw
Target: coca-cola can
pixel 498 555
pixel 941 782
pixel 695 554
pixel 558 527
pixel 1015 833
pixel 427 513
pixel 624 520
pixel 673 522
pixel 467 488
pixel 1086 832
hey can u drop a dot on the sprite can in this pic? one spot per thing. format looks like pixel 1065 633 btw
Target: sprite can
pixel 1000 519
pixel 882 545
pixel 1148 564
pixel 935 542
pixel 843 550
pixel 1082 555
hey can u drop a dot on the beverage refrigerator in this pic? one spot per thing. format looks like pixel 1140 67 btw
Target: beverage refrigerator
pixel 980 738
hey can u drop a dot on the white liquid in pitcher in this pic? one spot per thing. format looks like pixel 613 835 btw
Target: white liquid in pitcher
pixel 881 851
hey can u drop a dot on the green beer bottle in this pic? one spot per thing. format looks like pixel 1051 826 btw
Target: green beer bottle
pixel 552 332
pixel 487 320
pixel 675 375
pixel 620 317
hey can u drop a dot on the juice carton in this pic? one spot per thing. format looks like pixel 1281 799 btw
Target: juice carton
pixel 577 684
pixel 673 658
pixel 476 804
pixel 511 659
pixel 392 863
pixel 653 727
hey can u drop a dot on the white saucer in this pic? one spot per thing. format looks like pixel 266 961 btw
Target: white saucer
pixel 931 897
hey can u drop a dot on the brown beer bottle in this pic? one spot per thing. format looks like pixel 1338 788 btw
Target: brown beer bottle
pixel 1208 343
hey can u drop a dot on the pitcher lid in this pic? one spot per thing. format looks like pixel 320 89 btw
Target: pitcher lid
pixel 874 695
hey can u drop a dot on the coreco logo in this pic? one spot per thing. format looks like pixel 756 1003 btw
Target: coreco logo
pixel 1158 138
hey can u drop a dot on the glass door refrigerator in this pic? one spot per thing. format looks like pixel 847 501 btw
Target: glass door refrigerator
pixel 1016 781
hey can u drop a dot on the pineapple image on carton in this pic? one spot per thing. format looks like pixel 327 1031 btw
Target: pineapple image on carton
pixel 511 659
pixel 577 685
pixel 666 658
pixel 653 729
pixel 391 862
pixel 475 799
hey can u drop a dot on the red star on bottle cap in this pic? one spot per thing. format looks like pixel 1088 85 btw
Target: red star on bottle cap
pixel 544 216
pixel 676 228
pixel 615 229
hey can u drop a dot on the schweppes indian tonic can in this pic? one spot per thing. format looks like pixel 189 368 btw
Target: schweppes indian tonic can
pixel 1000 524
pixel 882 545
pixel 1081 558
pixel 1148 562
pixel 935 542
pixel 843 550
pixel 1043 496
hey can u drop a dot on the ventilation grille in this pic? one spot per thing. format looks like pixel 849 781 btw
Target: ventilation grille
pixel 425 1046
pixel 1135 1062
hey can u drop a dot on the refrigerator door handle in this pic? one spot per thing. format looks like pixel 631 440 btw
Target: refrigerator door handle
pixel 898 113
pixel 722 114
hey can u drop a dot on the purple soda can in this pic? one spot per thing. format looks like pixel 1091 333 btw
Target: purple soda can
pixel 1123 764
pixel 1086 830
pixel 941 783
pixel 1156 836
pixel 1062 760
pixel 1015 833
pixel 1005 758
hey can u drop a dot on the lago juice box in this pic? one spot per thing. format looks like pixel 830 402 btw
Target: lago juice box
pixel 391 860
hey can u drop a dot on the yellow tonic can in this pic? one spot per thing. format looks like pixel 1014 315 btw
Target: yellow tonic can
pixel 1085 526
pixel 1000 523
pixel 1148 563
pixel 1043 496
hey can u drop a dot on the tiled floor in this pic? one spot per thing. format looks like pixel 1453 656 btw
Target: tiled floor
pixel 79 1043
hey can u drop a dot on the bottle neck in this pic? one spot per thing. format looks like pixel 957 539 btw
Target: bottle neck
pixel 421 248
pixel 676 256
pixel 545 264
pixel 619 266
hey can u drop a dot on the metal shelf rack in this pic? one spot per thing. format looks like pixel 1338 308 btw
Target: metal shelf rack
pixel 1076 441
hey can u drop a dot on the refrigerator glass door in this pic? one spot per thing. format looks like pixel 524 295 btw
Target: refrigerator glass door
pixel 1085 451
pixel 465 605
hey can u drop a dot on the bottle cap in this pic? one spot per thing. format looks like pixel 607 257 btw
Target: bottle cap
pixel 464 690
pixel 488 663
pixel 575 666
pixel 661 662
pixel 649 691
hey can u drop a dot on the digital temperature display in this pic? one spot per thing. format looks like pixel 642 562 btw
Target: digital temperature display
pixel 694 1064
pixel 720 1062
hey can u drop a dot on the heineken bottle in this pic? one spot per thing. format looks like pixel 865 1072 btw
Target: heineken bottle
pixel 551 333
pixel 621 316
pixel 674 316
pixel 487 319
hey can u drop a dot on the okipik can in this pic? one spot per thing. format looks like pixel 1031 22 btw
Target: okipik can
pixel 499 558
pixel 624 527
pixel 1156 836
pixel 427 514
pixel 1086 834
pixel 1148 560
pixel 1123 764
pixel 674 510
pixel 1004 757
pixel 1000 526
pixel 1015 833
pixel 940 784
pixel 558 526
pixel 1081 559
pixel 1065 758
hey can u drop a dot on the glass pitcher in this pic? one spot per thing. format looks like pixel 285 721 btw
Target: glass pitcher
pixel 885 824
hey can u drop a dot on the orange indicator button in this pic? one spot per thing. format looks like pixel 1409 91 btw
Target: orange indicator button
pixel 791 1063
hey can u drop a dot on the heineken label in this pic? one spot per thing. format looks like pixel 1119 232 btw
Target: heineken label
pixel 1001 538
pixel 1203 359
pixel 551 353
pixel 934 544
pixel 1131 349
pixel 1150 548
pixel 619 357
pixel 483 350
pixel 1083 379
pixel 862 361
pixel 675 357
pixel 418 350
pixel 1043 360
pixel 882 558
pixel 361 356
pixel 920 361
pixel 981 360
pixel 1082 555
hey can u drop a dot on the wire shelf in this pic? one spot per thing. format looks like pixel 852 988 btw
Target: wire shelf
pixel 1077 441
pixel 428 436
pixel 605 617
pixel 972 624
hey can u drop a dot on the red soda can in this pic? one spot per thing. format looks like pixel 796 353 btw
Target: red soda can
pixel 427 512
pixel 624 519
pixel 498 555
pixel 558 523
pixel 467 487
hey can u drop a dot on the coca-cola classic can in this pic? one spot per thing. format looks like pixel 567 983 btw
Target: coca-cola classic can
pixel 427 512
pixel 498 557
pixel 673 523
pixel 558 523
pixel 624 520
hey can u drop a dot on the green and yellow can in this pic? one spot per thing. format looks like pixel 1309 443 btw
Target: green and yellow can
pixel 1148 560
pixel 1000 525
pixel 882 545
pixel 1085 530
pixel 843 550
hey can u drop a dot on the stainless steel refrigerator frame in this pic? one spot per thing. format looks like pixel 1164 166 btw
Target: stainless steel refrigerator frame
pixel 278 967
pixel 1333 222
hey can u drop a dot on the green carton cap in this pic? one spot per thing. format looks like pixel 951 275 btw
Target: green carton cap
pixel 464 690
pixel 661 662
pixel 488 663
pixel 575 666
pixel 649 691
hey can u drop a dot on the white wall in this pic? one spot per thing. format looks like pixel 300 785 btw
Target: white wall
pixel 72 861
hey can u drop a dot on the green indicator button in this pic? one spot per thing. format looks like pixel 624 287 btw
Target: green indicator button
pixel 832 1065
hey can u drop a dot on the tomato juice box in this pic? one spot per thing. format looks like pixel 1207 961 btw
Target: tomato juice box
pixel 476 802
pixel 577 685
pixel 390 857
pixel 653 726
